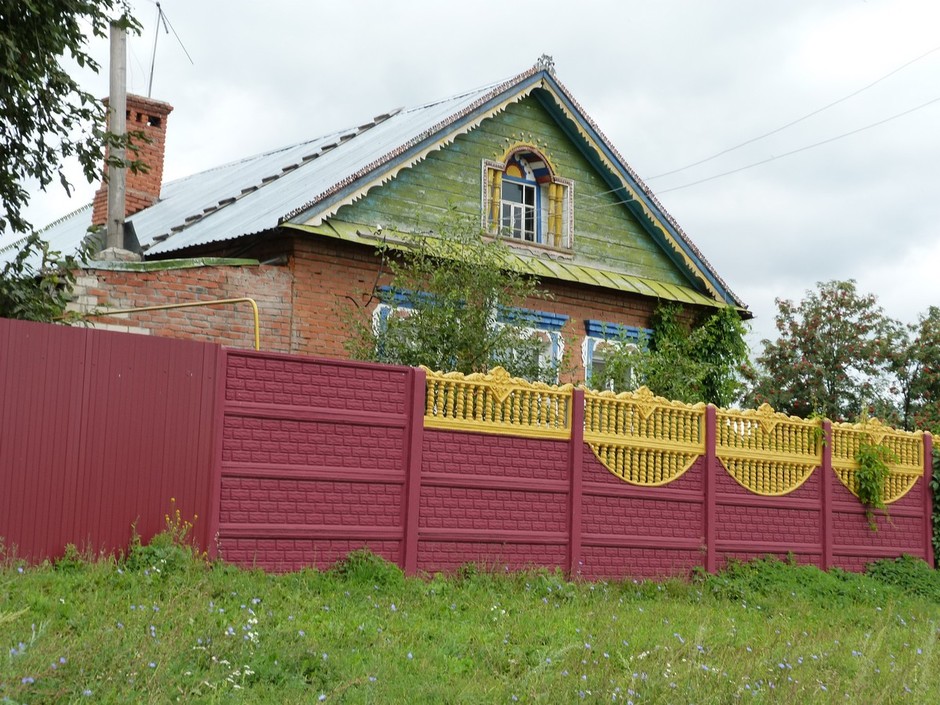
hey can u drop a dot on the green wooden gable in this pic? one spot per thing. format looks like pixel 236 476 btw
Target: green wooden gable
pixel 612 233
pixel 430 194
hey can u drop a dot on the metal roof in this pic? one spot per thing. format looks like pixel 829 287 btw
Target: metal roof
pixel 307 182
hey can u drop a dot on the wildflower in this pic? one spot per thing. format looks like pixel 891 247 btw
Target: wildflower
pixel 410 656
pixel 322 697
pixel 87 692
pixel 28 680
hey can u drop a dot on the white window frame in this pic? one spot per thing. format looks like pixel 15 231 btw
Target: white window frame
pixel 525 212
pixel 592 348
pixel 542 205
pixel 554 340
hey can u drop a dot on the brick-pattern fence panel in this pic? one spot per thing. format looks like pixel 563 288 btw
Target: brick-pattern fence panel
pixel 900 530
pixel 498 501
pixel 314 460
pixel 640 532
pixel 749 524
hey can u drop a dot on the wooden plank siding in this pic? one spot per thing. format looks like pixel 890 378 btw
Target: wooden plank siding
pixel 447 183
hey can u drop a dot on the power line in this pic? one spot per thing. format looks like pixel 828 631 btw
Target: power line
pixel 798 120
pixel 769 159
pixel 804 148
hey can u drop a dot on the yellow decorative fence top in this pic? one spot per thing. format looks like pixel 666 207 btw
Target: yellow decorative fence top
pixel 647 440
pixel 907 447
pixel 641 438
pixel 767 452
pixel 497 403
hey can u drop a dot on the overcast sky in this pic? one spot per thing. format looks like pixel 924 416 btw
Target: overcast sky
pixel 670 83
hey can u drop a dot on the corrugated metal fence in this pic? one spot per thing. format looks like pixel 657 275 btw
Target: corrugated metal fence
pixel 99 431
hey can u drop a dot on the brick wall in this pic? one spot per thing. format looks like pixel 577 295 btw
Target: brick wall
pixel 332 282
pixel 855 544
pixel 642 532
pixel 308 306
pixel 232 325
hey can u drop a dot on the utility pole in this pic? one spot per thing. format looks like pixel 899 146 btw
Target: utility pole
pixel 117 126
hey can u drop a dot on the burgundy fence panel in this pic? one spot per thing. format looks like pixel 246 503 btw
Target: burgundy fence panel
pixel 98 432
pixel 494 500
pixel 314 458
pixel 641 532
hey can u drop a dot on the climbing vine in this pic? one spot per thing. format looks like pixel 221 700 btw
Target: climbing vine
pixel 870 478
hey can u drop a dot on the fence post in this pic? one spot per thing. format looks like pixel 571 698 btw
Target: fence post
pixel 413 458
pixel 575 474
pixel 826 495
pixel 928 498
pixel 711 468
pixel 213 517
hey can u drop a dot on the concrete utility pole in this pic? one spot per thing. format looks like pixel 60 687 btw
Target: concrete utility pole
pixel 117 125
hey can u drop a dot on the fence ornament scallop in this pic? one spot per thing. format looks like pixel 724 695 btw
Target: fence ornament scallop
pixel 641 438
pixel 497 402
pixel 766 452
pixel 907 446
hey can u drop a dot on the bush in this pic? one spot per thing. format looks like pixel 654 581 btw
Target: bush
pixel 366 568
pixel 912 575
pixel 170 551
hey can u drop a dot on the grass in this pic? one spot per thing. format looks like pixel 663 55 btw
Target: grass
pixel 163 626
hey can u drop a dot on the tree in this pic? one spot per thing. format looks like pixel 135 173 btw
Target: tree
pixel 45 117
pixel 916 365
pixel 456 304
pixel 686 359
pixel 833 355
pixel 37 284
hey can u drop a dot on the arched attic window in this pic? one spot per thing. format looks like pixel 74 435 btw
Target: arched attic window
pixel 524 200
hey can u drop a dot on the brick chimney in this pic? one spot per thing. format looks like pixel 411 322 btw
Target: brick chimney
pixel 143 190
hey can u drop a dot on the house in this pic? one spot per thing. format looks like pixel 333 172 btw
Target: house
pixel 296 229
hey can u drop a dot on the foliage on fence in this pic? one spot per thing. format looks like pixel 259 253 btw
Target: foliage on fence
pixel 642 438
pixel 906 449
pixel 497 403
pixel 766 452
